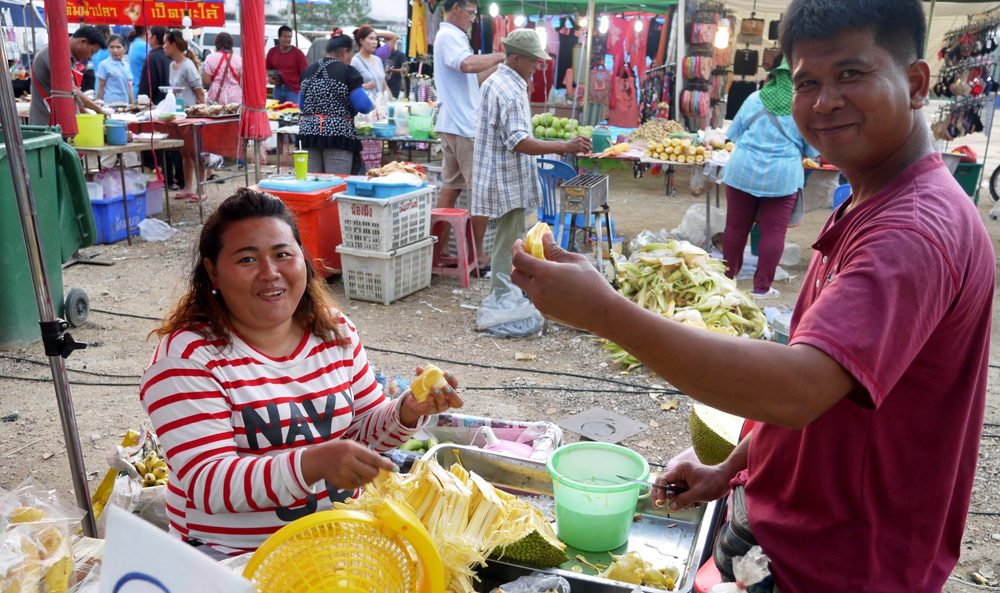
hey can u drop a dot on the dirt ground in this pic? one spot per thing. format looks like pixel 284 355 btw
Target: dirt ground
pixel 435 324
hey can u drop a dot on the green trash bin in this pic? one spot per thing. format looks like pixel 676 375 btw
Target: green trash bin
pixel 65 220
pixel 967 175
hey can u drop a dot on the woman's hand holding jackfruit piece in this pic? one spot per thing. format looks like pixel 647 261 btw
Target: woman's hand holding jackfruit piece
pixel 432 392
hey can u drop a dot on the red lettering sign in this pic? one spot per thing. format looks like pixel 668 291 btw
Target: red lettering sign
pixel 361 210
pixel 167 13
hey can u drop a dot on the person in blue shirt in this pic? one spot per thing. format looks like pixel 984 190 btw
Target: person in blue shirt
pixel 114 76
pixel 763 178
pixel 137 51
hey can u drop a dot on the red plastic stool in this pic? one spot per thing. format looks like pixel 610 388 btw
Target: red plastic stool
pixel 707 576
pixel 461 226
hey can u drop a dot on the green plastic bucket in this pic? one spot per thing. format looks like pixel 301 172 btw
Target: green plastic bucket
pixel 421 126
pixel 594 508
pixel 601 140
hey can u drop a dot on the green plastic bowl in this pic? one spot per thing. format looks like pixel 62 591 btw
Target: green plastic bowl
pixel 594 508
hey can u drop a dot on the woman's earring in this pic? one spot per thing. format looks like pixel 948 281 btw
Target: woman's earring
pixel 215 291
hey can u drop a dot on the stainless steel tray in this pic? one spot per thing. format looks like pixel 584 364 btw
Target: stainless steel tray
pixel 682 539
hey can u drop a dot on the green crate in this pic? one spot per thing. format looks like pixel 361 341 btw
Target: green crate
pixel 967 175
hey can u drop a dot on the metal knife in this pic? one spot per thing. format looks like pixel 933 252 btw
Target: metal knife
pixel 670 489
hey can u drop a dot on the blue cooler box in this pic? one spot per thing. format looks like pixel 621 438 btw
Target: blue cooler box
pixel 109 216
pixel 358 185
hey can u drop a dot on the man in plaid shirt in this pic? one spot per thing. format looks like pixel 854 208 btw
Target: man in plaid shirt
pixel 504 172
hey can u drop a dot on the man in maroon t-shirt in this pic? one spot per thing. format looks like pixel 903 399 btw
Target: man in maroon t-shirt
pixel 859 469
pixel 288 62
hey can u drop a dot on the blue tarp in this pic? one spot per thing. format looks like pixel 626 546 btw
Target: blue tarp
pixel 20 13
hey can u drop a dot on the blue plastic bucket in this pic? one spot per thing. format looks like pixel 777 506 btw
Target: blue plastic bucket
pixel 116 132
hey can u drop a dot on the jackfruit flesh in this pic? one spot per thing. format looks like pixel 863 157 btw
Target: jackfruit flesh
pixel 714 433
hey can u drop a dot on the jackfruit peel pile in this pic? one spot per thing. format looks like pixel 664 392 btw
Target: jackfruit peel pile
pixel 682 282
pixel 631 568
pixel 468 519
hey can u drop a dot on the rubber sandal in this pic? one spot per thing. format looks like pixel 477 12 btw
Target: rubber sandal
pixel 213 177
pixel 194 199
pixel 174 187
pixel 483 270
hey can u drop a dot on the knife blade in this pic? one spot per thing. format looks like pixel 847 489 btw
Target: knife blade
pixel 670 489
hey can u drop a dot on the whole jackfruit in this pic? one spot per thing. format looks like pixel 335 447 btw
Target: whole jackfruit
pixel 714 433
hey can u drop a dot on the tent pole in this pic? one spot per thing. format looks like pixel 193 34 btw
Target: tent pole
pixel 295 25
pixel 930 19
pixel 585 114
pixel 31 6
pixel 57 343
pixel 681 11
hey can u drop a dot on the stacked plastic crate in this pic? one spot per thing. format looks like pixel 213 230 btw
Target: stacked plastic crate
pixel 387 249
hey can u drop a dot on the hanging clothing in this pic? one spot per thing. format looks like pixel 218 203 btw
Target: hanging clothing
pixel 598 48
pixel 653 33
pixel 617 34
pixel 551 37
pixel 542 80
pixel 600 85
pixel 738 93
pixel 434 16
pixel 476 36
pixel 487 46
pixel 649 95
pixel 499 31
pixel 567 41
pixel 635 46
pixel 625 112
pixel 418 30
pixel 669 28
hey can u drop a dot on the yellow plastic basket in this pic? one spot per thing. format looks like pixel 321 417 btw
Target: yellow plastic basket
pixel 349 552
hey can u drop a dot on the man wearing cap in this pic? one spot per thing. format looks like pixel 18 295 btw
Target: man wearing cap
pixel 504 172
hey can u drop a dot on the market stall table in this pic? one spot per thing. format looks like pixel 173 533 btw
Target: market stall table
pixel 224 140
pixel 119 151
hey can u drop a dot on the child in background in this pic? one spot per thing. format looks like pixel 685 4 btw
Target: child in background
pixel 114 76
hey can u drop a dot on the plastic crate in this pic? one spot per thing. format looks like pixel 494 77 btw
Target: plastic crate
pixel 383 225
pixel 384 277
pixel 109 215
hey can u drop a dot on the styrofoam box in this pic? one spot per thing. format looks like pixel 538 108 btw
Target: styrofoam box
pixel 374 224
pixel 384 277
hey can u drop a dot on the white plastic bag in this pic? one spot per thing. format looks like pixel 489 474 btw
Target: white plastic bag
pixel 152 229
pixel 692 227
pixel 168 104
pixel 535 582
pixel 111 181
pixel 749 570
pixel 508 314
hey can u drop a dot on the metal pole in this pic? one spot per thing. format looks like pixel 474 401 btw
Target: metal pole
pixel 34 48
pixel 52 334
pixel 930 19
pixel 585 114
pixel 295 25
pixel 679 78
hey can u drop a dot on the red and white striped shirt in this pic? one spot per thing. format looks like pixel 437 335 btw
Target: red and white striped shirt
pixel 234 423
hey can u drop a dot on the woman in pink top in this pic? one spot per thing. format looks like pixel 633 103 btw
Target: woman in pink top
pixel 223 72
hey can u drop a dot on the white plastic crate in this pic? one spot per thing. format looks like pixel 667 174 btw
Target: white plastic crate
pixel 384 277
pixel 374 224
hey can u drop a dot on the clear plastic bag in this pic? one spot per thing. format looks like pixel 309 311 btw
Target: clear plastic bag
pixel 508 314
pixel 152 229
pixel 535 582
pixel 692 227
pixel 749 569
pixel 111 181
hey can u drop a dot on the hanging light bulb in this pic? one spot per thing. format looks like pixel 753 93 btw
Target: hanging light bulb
pixel 638 25
pixel 722 34
pixel 494 9
pixel 519 20
pixel 543 35
pixel 582 21
pixel 604 25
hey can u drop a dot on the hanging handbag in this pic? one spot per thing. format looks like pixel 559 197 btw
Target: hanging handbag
pixel 773 30
pixel 770 55
pixel 752 26
pixel 746 62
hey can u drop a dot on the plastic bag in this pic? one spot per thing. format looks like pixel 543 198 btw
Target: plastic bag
pixel 968 155
pixel 699 181
pixel 535 582
pixel 168 104
pixel 692 227
pixel 508 313
pixel 35 528
pixel 647 237
pixel 749 569
pixel 151 229
pixel 123 486
pixel 111 181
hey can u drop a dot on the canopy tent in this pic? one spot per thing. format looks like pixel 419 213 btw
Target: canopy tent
pixel 20 13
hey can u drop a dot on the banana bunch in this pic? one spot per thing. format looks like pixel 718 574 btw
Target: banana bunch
pixel 153 471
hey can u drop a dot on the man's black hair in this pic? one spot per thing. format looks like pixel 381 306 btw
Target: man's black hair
pixel 898 26
pixel 105 29
pixel 91 35
pixel 158 32
pixel 282 29
pixel 449 3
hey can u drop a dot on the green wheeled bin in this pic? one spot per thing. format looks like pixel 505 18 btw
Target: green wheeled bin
pixel 66 223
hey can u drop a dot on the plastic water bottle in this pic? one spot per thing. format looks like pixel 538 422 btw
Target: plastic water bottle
pixel 791 255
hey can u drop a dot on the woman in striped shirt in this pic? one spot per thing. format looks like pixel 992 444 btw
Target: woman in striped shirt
pixel 260 390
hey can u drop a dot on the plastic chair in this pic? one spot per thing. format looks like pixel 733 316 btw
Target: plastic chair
pixel 551 173
pixel 465 245
pixel 841 194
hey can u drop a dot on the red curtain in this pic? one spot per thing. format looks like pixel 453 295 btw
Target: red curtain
pixel 62 106
pixel 253 118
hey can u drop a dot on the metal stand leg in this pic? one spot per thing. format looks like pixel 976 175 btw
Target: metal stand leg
pixel 668 181
pixel 128 222
pixel 196 137
pixel 256 163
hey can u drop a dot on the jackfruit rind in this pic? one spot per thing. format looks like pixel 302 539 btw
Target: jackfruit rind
pixel 534 549
pixel 714 433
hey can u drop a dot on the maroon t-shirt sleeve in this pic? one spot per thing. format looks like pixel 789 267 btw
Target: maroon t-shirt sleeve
pixel 301 61
pixel 269 61
pixel 874 316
